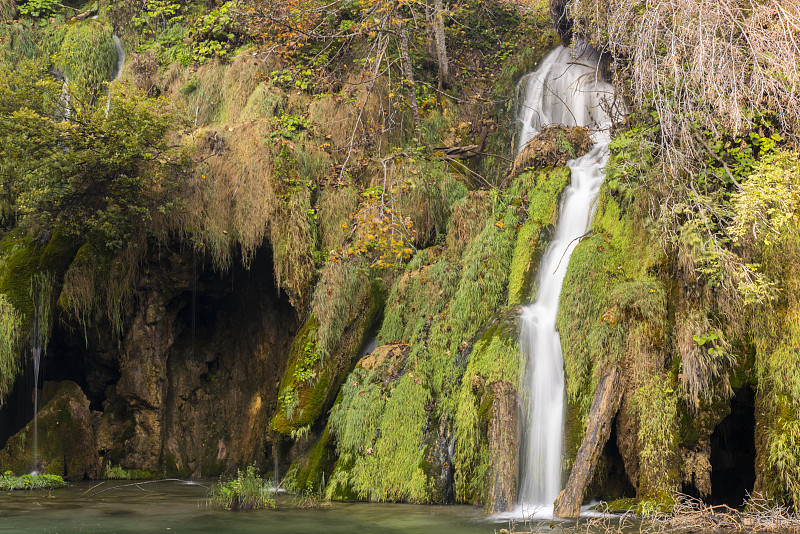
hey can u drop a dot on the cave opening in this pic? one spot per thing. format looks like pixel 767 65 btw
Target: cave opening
pixel 733 451
pixel 610 481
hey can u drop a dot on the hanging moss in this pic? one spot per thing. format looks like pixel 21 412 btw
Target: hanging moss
pixel 542 209
pixel 494 357
pixel 10 346
pixel 418 295
pixel 381 429
pixel 87 57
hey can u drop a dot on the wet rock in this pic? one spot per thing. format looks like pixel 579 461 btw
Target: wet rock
pixel 66 442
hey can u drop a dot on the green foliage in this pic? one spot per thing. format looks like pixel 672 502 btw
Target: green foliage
pixel 91 174
pixel 156 16
pixel 39 8
pixel 9 482
pixel 213 34
pixel 248 491
pixel 10 346
pixel 769 200
pixel 290 127
pixel 87 58
pixel 380 429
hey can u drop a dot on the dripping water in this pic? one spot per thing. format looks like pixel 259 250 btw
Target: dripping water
pixel 563 90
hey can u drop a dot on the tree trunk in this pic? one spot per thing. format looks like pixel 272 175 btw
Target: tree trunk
pixel 408 73
pixel 430 38
pixel 607 398
pixel 441 47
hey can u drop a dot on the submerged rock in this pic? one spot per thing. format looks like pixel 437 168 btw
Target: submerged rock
pixel 67 445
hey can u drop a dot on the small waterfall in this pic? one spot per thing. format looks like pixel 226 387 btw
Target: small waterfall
pixel 37 359
pixel 63 111
pixel 117 69
pixel 563 90
pixel 41 294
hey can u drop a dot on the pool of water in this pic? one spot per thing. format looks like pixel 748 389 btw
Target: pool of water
pixel 177 507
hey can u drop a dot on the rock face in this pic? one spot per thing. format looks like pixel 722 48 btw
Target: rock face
pixel 198 373
pixel 66 443
pixel 503 447
pixel 188 390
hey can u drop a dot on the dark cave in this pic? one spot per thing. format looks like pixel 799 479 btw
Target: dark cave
pixel 733 451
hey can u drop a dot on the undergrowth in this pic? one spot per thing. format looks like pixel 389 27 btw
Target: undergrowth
pixel 248 491
pixel 10 482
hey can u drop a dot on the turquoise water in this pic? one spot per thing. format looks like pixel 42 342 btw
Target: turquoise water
pixel 175 507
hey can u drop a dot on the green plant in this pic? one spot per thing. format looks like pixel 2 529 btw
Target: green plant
pixel 9 482
pixel 248 491
pixel 290 127
pixel 39 8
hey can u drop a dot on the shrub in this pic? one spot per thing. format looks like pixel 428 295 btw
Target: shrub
pixel 248 491
pixel 9 482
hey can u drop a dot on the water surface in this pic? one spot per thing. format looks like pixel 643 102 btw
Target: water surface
pixel 177 507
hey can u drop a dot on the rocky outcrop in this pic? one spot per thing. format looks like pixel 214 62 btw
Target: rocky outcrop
pixel 199 372
pixel 66 443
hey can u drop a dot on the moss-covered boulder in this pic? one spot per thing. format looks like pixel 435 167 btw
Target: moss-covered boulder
pixel 553 147
pixel 66 443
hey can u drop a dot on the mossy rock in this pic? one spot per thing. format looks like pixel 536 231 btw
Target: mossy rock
pixel 553 147
pixel 66 443
pixel 310 383
pixel 310 472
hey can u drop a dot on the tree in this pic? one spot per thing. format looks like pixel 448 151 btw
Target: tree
pixel 89 171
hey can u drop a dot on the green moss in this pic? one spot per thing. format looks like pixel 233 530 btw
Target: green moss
pixel 264 102
pixel 312 379
pixel 309 473
pixel 542 207
pixel 87 56
pixel 420 293
pixel 382 429
pixel 495 357
pixel 524 263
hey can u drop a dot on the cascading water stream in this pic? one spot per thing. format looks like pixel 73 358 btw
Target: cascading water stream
pixel 117 69
pixel 563 90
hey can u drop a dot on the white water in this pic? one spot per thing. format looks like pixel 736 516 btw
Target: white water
pixel 563 90
pixel 117 69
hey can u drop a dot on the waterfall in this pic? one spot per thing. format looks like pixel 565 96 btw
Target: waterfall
pixel 37 359
pixel 563 90
pixel 117 69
